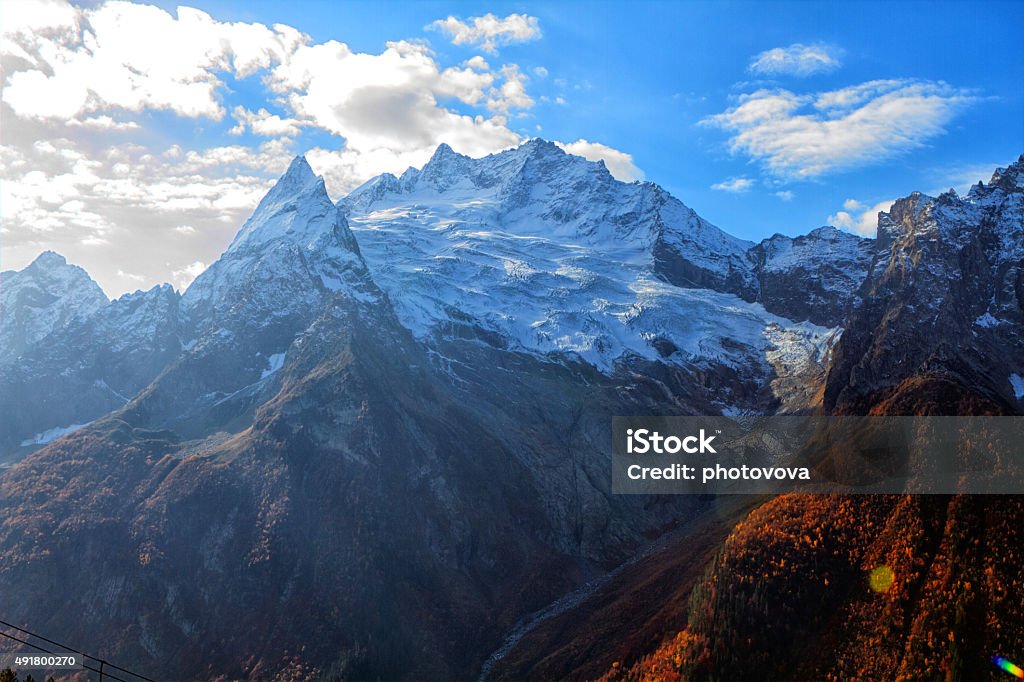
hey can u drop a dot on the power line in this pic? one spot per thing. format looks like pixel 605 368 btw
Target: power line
pixel 103 664
pixel 46 651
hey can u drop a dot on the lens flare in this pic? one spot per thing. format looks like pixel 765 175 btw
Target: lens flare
pixel 881 579
pixel 1009 667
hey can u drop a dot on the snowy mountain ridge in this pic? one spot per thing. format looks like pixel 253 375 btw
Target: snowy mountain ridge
pixel 549 253
pixel 531 250
pixel 46 295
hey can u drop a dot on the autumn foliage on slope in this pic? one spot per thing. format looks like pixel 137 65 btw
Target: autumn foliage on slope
pixel 872 588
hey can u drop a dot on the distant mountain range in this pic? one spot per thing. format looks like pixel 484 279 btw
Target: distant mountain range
pixel 373 436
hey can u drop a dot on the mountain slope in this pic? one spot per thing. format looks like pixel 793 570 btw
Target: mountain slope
pixel 366 500
pixel 95 364
pixel 937 333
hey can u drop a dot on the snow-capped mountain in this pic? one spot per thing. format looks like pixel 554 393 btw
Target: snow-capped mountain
pixel 400 404
pixel 294 257
pixel 541 251
pixel 813 277
pixel 46 295
pixel 96 362
pixel 531 250
pixel 293 252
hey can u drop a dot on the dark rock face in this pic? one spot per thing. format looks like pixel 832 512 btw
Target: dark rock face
pixel 375 515
pixel 944 300
pixel 812 277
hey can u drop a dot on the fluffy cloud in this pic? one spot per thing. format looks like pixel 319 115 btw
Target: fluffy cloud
pixel 116 55
pixel 796 60
pixel 620 164
pixel 858 217
pixel 388 106
pixel 512 93
pixel 785 195
pixel 734 185
pixel 80 172
pixel 804 136
pixel 103 123
pixel 263 123
pixel 488 32
pixel 391 109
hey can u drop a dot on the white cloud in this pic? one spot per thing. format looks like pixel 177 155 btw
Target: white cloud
pixel 478 63
pixel 131 277
pixel 116 55
pixel 540 72
pixel 136 204
pixel 619 164
pixel 857 217
pixel 183 277
pixel 389 109
pixel 512 93
pixel 734 185
pixel 489 32
pixel 804 136
pixel 796 60
pixel 263 123
pixel 387 106
pixel 785 195
pixel 104 123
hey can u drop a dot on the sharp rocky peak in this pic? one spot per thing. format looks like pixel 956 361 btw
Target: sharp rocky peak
pixel 297 206
pixel 48 260
pixel 1009 179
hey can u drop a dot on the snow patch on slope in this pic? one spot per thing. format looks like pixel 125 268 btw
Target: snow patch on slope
pixel 1017 383
pixel 274 363
pixel 50 435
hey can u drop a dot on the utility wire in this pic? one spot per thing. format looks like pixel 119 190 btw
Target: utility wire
pixel 46 651
pixel 75 651
pixel 103 664
pixel 102 673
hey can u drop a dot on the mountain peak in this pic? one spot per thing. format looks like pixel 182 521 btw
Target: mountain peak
pixel 1010 178
pixel 297 198
pixel 443 151
pixel 46 295
pixel 539 144
pixel 445 167
pixel 298 178
pixel 300 170
pixel 49 260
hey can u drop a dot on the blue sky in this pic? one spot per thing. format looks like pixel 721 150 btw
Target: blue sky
pixel 764 117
